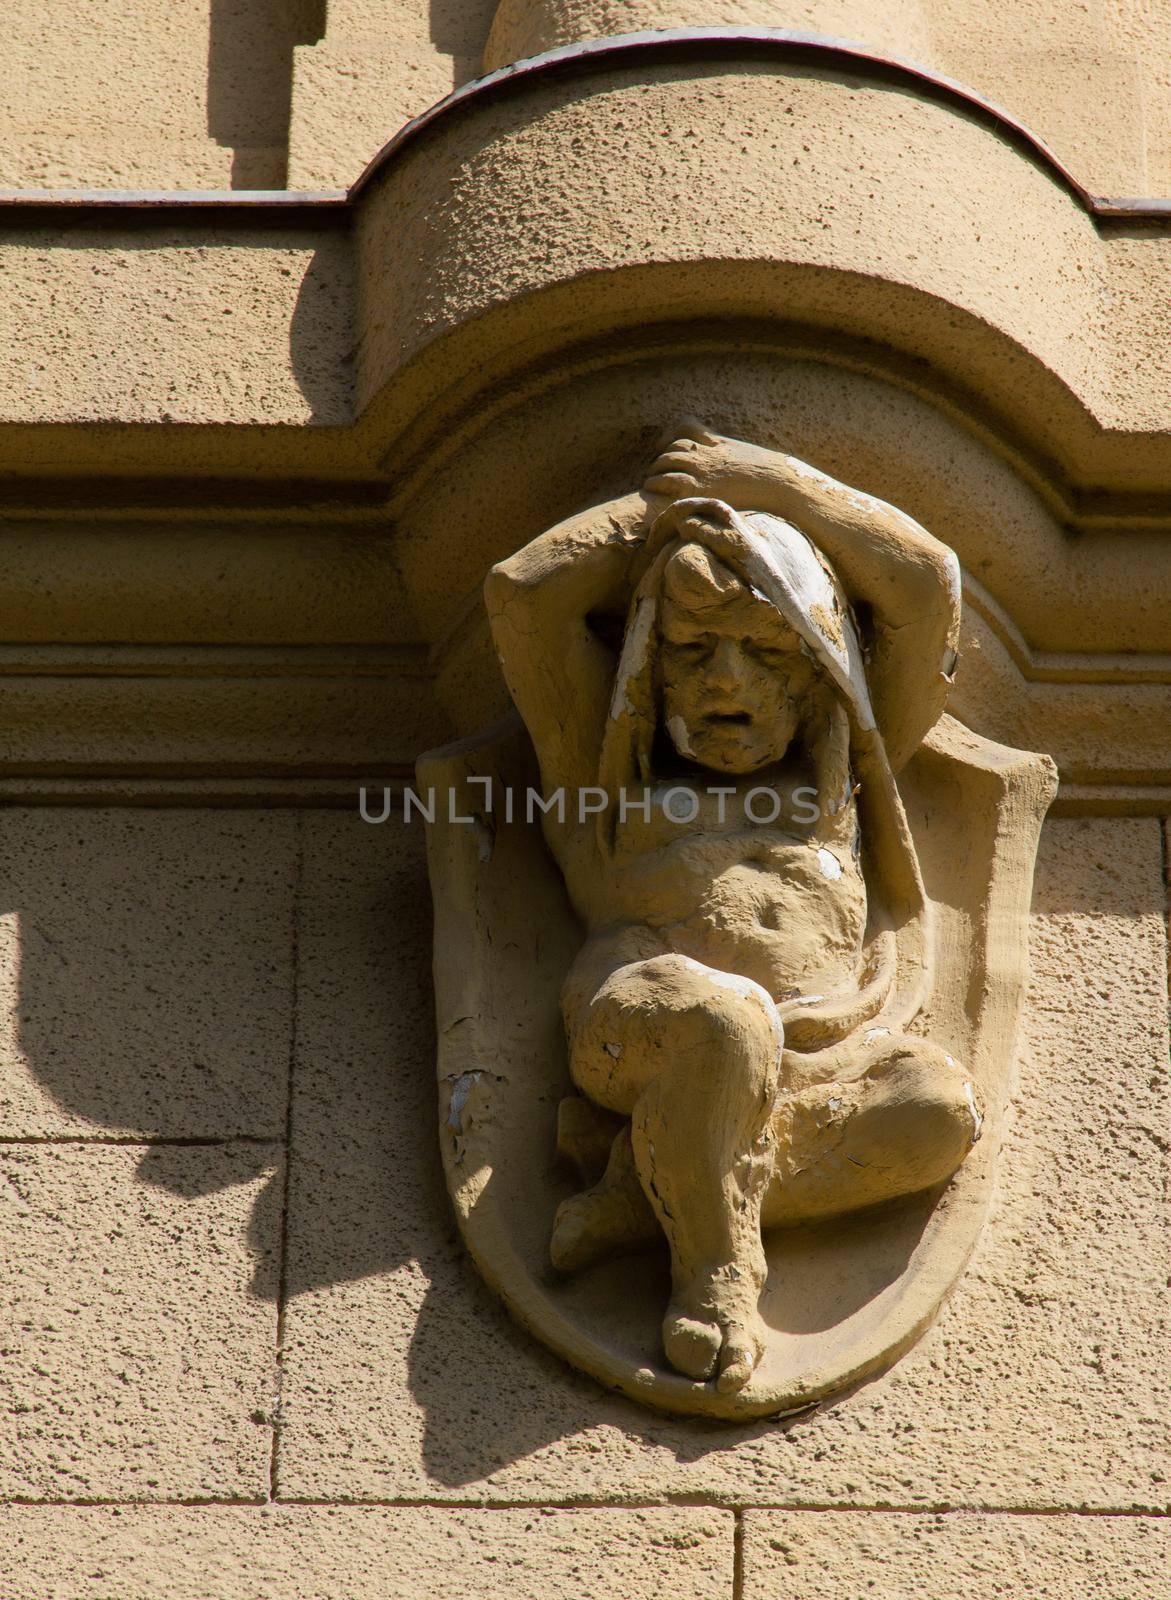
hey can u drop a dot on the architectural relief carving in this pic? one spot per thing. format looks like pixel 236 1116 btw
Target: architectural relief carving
pixel 785 1009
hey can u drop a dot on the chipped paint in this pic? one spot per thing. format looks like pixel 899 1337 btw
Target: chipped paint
pixel 977 1115
pixel 830 866
pixel 634 656
pixel 461 1089
pixel 680 735
pixel 747 988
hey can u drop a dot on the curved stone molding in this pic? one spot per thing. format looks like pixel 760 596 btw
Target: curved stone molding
pixel 990 343
pixel 1031 674
pixel 946 239
pixel 1028 290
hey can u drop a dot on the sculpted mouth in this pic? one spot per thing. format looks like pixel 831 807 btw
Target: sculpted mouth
pixel 729 719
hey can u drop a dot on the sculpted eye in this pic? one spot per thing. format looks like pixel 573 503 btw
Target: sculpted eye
pixel 772 655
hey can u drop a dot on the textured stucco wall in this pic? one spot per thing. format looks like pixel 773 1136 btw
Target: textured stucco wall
pixel 117 94
pixel 232 1273
pixel 252 469
pixel 254 93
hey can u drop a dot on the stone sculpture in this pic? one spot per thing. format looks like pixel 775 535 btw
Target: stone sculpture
pixel 722 682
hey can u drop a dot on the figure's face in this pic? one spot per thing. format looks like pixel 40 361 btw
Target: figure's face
pixel 733 679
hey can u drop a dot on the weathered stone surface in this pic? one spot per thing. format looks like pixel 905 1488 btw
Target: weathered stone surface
pixel 404 1379
pixel 388 63
pixel 106 94
pixel 283 307
pixel 1055 56
pixel 392 1553
pixel 139 1323
pixel 147 972
pixel 958 1556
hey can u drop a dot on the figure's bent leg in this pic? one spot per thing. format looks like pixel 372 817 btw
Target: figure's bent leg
pixel 904 1125
pixel 614 1214
pixel 695 1055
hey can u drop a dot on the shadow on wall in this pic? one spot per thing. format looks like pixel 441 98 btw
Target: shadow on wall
pixel 322 333
pixel 157 995
pixel 459 29
pixel 152 953
pixel 250 82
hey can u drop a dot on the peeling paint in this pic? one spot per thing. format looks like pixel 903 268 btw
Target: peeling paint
pixel 633 660
pixel 461 1089
pixel 830 866
pixel 680 735
pixel 977 1118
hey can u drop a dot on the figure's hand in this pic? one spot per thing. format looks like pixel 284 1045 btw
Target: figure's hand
pixel 701 462
pixel 711 524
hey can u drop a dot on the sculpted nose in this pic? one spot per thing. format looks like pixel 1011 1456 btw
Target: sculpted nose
pixel 725 666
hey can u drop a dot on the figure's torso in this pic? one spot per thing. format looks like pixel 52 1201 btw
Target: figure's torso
pixel 785 906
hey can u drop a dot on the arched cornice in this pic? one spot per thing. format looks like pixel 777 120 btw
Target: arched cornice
pixel 765 44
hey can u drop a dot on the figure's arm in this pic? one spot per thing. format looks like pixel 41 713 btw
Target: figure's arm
pixel 908 580
pixel 559 673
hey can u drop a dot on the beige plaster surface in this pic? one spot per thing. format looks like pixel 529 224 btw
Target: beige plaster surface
pixel 147 973
pixel 139 1321
pixel 955 1556
pixel 1086 78
pixel 1043 1384
pixel 109 94
pixel 367 1553
pixel 222 330
pixel 114 94
pixel 378 65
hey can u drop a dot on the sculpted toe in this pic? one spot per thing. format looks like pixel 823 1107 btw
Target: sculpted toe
pixel 692 1347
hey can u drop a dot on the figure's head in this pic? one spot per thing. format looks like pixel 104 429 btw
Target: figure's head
pixel 734 678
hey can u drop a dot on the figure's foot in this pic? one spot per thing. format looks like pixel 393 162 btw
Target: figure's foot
pixel 597 1223
pixel 715 1329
